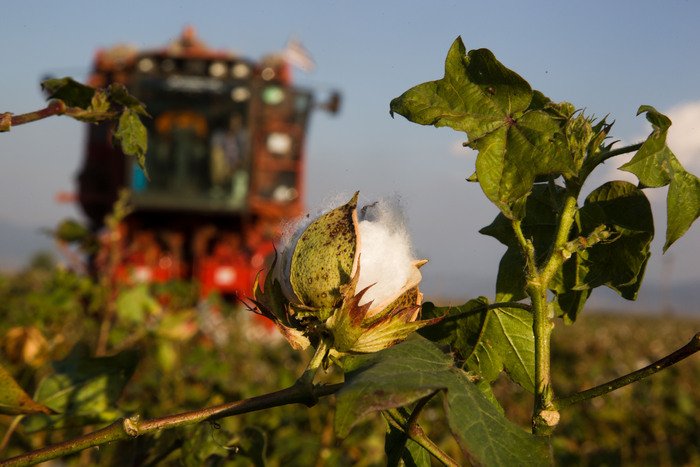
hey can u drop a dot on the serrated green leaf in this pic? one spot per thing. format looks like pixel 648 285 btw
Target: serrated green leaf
pixel 73 93
pixel 416 368
pixel 133 137
pixel 324 257
pixel 13 399
pixel 655 165
pixel 492 104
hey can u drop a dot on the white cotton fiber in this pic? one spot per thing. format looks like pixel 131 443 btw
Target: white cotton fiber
pixel 386 258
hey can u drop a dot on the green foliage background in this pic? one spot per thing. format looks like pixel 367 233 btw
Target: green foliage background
pixel 180 366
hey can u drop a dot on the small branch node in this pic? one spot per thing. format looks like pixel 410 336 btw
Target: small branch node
pixel 131 425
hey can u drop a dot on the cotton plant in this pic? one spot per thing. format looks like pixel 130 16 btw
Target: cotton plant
pixel 346 283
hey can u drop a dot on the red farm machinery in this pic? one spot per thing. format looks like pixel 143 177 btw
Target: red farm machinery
pixel 225 162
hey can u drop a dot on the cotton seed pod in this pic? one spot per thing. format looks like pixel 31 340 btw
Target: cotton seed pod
pixel 312 291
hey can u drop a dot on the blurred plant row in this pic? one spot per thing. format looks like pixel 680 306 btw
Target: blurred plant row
pixel 169 353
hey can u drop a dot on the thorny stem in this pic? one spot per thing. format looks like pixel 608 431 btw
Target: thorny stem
pixel 414 431
pixel 133 427
pixel 684 352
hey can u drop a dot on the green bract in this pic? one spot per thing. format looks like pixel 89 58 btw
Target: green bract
pixel 311 293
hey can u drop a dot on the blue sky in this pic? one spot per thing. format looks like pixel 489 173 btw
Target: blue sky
pixel 606 57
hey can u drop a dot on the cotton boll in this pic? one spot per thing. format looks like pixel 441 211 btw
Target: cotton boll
pixel 386 259
pixel 291 232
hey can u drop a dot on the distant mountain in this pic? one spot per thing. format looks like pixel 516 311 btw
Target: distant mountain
pixel 18 244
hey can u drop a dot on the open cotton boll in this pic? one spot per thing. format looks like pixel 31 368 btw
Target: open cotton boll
pixel 386 258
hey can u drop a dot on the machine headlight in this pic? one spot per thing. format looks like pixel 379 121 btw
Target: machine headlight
pixel 217 69
pixel 272 95
pixel 146 65
pixel 240 70
pixel 284 194
pixel 279 143
pixel 240 94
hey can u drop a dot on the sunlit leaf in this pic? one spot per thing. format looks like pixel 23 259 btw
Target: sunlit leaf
pixel 13 399
pixel 516 140
pixel 489 341
pixel 655 165
pixel 84 386
pixel 134 304
pixel 416 368
pixel 132 137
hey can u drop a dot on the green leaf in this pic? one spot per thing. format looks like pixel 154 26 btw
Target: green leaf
pixel 99 109
pixel 136 303
pixel 516 140
pixel 511 281
pixel 506 342
pixel 619 262
pixel 476 95
pixel 539 224
pixel 489 341
pixel 73 93
pixel 324 257
pixel 83 386
pixel 416 368
pixel 120 95
pixel 133 137
pixel 13 399
pixel 398 447
pixel 72 231
pixel 513 156
pixel 655 165
pixel 683 203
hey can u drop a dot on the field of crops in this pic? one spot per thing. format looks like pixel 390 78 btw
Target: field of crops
pixel 189 358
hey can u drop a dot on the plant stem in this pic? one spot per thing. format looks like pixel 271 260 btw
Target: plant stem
pixel 414 431
pixel 133 427
pixel 10 430
pixel 55 107
pixel 684 352
pixel 591 164
pixel 544 417
pixel 315 363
